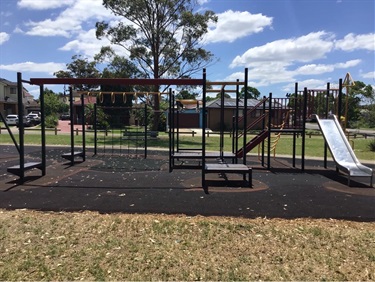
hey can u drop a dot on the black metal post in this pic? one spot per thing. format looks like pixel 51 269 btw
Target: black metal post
pixel 304 128
pixel 83 128
pixel 43 130
pixel 236 120
pixel 21 126
pixel 245 116
pixel 263 125
pixel 71 125
pixel 170 141
pixel 204 117
pixel 222 101
pixel 145 135
pixel 339 106
pixel 326 116
pixel 296 100
pixel 95 130
pixel 269 131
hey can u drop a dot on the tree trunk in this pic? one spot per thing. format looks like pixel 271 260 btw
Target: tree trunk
pixel 156 118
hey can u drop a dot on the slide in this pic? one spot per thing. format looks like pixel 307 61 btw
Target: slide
pixel 253 143
pixel 341 150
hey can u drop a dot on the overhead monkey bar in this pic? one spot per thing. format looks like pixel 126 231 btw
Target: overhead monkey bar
pixel 117 81
pixel 98 92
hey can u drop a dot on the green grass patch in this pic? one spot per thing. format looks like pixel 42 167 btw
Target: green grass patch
pixel 314 146
pixel 92 246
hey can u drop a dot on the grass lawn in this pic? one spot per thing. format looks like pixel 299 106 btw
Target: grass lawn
pixel 314 146
pixel 37 245
pixel 91 246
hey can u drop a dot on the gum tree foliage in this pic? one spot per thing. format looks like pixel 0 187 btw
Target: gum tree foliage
pixel 252 93
pixel 80 68
pixel 359 94
pixel 163 37
pixel 115 67
pixel 52 104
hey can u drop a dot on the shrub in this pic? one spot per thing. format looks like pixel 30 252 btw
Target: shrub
pixel 371 145
pixel 51 122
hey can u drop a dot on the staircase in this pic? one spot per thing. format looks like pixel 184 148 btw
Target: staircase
pixel 252 143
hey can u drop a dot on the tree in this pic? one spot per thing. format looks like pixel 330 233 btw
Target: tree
pixel 360 104
pixel 358 94
pixel 186 95
pixel 52 104
pixel 226 95
pixel 80 68
pixel 252 93
pixel 163 38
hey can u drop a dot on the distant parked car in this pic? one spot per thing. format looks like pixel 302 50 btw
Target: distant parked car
pixel 11 119
pixel 34 118
pixel 26 122
pixel 65 116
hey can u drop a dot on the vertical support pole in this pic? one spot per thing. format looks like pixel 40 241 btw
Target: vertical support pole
pixel 221 146
pixel 326 116
pixel 43 130
pixel 21 126
pixel 95 130
pixel 304 128
pixel 204 118
pixel 235 132
pixel 296 99
pixel 145 135
pixel 339 106
pixel 71 125
pixel 170 124
pixel 263 125
pixel 245 116
pixel 269 131
pixel 83 128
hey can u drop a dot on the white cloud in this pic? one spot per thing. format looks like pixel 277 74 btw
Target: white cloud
pixel 4 37
pixel 313 69
pixel 59 27
pixel 232 25
pixel 309 83
pixel 48 68
pixel 353 42
pixel 201 2
pixel 369 75
pixel 71 20
pixel 43 5
pixel 87 44
pixel 306 48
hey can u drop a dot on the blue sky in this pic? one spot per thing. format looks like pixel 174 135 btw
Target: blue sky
pixel 311 42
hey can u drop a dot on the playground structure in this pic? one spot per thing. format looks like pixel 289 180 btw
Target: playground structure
pixel 341 150
pixel 276 116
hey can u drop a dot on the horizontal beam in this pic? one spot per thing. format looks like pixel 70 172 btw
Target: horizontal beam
pixel 223 83
pixel 219 90
pixel 118 93
pixel 116 81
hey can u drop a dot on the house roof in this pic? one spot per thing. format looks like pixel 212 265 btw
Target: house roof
pixel 87 100
pixel 7 82
pixel 231 103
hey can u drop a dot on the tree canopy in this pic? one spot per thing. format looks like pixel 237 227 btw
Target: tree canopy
pixel 163 38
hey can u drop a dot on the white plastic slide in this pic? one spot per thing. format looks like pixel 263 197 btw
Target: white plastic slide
pixel 341 150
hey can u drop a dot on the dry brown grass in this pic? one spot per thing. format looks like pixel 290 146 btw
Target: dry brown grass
pixel 92 246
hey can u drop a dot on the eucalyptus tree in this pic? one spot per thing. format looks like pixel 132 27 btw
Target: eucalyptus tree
pixel 162 37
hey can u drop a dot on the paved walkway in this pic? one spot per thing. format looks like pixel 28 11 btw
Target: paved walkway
pixel 125 183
